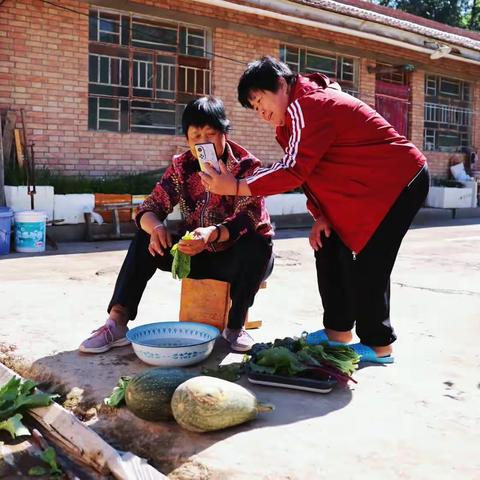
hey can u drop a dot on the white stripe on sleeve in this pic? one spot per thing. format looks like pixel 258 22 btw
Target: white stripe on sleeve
pixel 289 159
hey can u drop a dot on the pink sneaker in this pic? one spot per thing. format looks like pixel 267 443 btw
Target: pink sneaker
pixel 239 339
pixel 104 338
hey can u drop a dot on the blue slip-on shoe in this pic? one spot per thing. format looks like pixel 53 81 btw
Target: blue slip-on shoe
pixel 320 336
pixel 368 355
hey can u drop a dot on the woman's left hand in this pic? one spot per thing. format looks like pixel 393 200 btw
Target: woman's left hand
pixel 223 183
pixel 199 243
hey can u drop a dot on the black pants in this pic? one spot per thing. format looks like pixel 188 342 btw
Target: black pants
pixel 245 265
pixel 358 290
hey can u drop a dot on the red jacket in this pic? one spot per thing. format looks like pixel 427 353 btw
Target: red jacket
pixel 350 161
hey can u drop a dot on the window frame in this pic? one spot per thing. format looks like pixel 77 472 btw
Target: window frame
pixel 447 115
pixel 349 86
pixel 147 71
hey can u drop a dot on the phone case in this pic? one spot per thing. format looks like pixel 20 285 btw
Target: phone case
pixel 206 153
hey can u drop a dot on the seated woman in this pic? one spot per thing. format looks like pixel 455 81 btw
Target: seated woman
pixel 232 235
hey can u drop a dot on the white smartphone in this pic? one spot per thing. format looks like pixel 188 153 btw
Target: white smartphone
pixel 206 153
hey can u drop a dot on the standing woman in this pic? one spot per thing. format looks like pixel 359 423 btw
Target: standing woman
pixel 364 184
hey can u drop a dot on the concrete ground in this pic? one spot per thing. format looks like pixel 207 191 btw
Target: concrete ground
pixel 417 419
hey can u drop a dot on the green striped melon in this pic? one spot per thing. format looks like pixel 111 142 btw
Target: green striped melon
pixel 149 393
pixel 205 403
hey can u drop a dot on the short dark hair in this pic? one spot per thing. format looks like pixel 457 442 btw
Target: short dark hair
pixel 263 74
pixel 205 111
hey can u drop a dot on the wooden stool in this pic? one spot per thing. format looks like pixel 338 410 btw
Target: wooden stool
pixel 208 301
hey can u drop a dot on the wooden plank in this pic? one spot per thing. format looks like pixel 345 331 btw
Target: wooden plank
pixel 19 148
pixel 252 324
pixel 205 301
pixel 83 444
pixel 104 199
pixel 8 135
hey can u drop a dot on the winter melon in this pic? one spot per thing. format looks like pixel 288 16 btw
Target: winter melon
pixel 205 403
pixel 149 393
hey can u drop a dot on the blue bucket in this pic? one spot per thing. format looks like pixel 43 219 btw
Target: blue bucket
pixel 30 231
pixel 6 215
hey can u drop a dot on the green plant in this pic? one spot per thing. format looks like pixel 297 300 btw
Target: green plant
pixel 16 396
pixel 445 182
pixel 132 183
pixel 49 456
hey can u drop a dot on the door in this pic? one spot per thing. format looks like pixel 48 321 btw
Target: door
pixel 392 103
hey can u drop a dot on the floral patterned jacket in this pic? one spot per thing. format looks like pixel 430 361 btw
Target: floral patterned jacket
pixel 180 184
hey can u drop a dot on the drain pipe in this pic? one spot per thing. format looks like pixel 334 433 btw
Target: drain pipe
pixel 293 14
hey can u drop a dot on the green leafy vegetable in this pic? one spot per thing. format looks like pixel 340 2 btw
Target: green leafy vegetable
pixel 292 357
pixel 338 356
pixel 15 396
pixel 117 397
pixel 14 426
pixel 49 456
pixel 37 471
pixel 282 360
pixel 181 262
pixel 231 372
pixel 18 395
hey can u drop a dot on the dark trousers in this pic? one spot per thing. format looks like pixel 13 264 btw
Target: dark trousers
pixel 357 290
pixel 245 265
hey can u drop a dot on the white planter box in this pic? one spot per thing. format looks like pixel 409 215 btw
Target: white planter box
pixel 18 199
pixel 70 208
pixel 449 197
pixel 286 204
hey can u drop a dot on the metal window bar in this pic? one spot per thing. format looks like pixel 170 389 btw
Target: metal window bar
pixel 340 62
pixel 157 109
pixel 109 120
pixel 196 72
pixel 109 58
pixel 350 91
pixel 429 139
pixel 143 67
pixel 99 29
pixel 446 114
pixel 165 70
pixel 147 42
pixel 193 35
pixel 350 72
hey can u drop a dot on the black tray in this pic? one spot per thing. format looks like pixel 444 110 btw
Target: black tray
pixel 296 383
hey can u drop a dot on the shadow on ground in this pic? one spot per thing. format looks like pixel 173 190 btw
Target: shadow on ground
pixel 164 444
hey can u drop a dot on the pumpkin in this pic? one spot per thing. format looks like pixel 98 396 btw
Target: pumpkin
pixel 149 393
pixel 202 404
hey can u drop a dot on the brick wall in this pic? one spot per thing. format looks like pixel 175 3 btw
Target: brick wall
pixel 44 69
pixel 46 72
pixel 248 129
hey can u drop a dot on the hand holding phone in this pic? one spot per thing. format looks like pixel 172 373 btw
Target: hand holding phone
pixel 206 153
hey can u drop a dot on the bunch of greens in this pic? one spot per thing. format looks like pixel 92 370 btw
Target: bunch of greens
pixel 181 262
pixel 16 396
pixel 290 357
pixel 49 456
pixel 117 397
pixel 231 372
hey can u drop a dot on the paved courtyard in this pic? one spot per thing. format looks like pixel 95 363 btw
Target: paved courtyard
pixel 417 419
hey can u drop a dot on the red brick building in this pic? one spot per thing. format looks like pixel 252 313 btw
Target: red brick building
pixel 103 83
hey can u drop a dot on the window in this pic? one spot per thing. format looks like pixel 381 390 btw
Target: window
pixel 390 74
pixel 448 114
pixel 142 72
pixel 339 68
